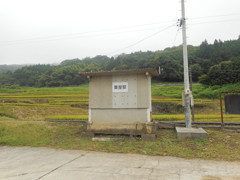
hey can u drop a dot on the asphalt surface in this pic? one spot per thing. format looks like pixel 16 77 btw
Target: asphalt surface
pixel 27 163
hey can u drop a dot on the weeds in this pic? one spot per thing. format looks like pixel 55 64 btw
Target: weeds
pixel 5 118
pixel 69 101
pixel 36 105
pixel 178 117
pixel 199 117
pixel 67 117
pixel 45 96
pixel 69 136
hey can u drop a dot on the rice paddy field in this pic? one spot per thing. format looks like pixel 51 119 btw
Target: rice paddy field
pixel 23 111
pixel 71 103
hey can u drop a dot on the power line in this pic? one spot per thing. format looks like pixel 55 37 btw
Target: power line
pixel 217 70
pixel 112 31
pixel 108 31
pixel 207 22
pixel 214 16
pixel 76 37
pixel 175 37
pixel 154 34
pixel 89 33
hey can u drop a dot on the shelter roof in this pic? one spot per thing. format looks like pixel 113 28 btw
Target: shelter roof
pixel 151 71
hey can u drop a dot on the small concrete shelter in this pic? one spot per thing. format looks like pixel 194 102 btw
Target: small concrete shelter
pixel 120 101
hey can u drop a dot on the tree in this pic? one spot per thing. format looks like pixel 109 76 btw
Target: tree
pixel 208 62
pixel 223 73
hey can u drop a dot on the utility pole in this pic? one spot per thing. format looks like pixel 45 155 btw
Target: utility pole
pixel 186 75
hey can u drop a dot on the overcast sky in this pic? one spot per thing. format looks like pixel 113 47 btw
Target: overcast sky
pixel 50 31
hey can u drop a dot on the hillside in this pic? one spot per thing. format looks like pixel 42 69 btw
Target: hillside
pixel 212 64
pixel 12 68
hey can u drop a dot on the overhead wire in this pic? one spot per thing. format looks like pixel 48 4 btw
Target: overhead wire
pixel 110 30
pixel 83 36
pixel 154 34
pixel 219 70
pixel 175 38
pixel 207 22
pixel 179 26
pixel 121 30
pixel 214 16
pixel 90 33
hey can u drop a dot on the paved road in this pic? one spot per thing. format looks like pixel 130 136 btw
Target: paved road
pixel 26 163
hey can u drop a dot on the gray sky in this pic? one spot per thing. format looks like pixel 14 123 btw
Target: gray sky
pixel 49 31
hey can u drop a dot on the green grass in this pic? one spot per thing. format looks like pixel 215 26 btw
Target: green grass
pixel 45 96
pixel 158 89
pixel 168 91
pixel 76 89
pixel 35 105
pixel 69 101
pixel 67 117
pixel 198 117
pixel 38 104
pixel 220 146
pixel 5 118
pixel 163 117
pixel 178 100
pixel 199 91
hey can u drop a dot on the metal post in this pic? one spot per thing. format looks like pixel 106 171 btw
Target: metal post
pixel 192 107
pixel 221 109
pixel 185 64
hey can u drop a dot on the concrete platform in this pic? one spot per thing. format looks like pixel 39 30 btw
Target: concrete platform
pixel 191 133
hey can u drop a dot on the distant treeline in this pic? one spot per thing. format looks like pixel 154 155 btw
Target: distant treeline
pixel 5 68
pixel 211 64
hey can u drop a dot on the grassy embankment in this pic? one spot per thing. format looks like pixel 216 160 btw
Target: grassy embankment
pixel 220 146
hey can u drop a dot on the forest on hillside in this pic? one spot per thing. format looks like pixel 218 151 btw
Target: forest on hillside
pixel 211 64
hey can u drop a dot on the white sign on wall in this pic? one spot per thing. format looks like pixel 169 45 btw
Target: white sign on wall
pixel 120 87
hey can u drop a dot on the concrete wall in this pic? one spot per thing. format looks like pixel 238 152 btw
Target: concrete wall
pixel 101 95
pixel 100 92
pixel 118 116
pixel 143 91
pixel 125 99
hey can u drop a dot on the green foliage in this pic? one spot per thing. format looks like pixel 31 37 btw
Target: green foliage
pixel 28 76
pixel 223 73
pixel 197 71
pixel 203 79
pixel 168 91
pixel 213 64
pixel 11 68
pixel 213 92
pixel 199 91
